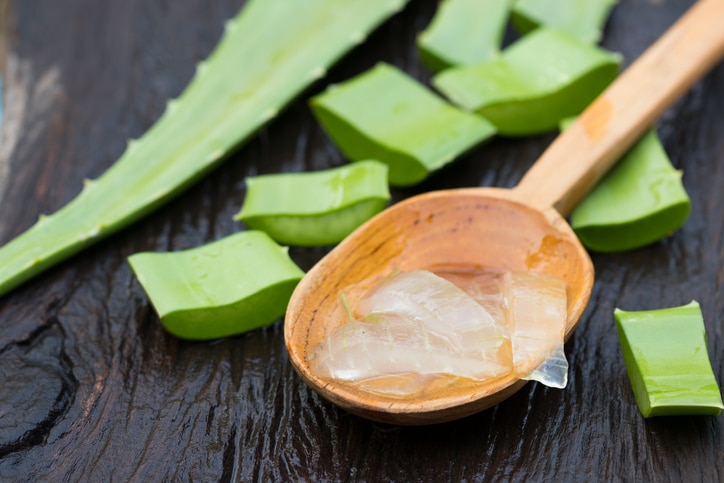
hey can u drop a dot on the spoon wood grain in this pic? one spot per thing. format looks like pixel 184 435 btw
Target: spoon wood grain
pixel 492 228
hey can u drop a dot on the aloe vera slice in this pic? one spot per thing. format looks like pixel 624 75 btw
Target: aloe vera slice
pixel 666 357
pixel 233 285
pixel 386 115
pixel 637 203
pixel 317 208
pixel 584 19
pixel 463 32
pixel 541 79
pixel 269 53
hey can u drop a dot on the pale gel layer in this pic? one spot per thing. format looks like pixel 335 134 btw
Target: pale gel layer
pixel 418 326
pixel 315 208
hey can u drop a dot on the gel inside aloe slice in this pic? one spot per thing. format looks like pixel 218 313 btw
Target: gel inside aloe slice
pixel 385 114
pixel 640 201
pixel 418 330
pixel 233 285
pixel 464 32
pixel 542 78
pixel 667 361
pixel 315 208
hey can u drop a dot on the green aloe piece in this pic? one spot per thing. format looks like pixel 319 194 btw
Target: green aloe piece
pixel 268 55
pixel 464 32
pixel 233 285
pixel 640 201
pixel 541 79
pixel 386 115
pixel 317 208
pixel 666 357
pixel 583 18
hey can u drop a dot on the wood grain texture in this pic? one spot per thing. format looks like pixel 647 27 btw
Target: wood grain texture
pixel 92 388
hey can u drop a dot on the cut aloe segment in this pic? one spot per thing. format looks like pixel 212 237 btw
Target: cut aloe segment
pixel 386 115
pixel 584 19
pixel 233 285
pixel 541 79
pixel 640 201
pixel 666 357
pixel 268 55
pixel 464 32
pixel 316 208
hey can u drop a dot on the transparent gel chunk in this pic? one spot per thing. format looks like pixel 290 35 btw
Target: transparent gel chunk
pixel 417 329
pixel 485 287
pixel 439 306
pixel 415 323
pixel 536 310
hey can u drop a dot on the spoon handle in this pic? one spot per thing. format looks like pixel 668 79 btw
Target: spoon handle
pixel 581 155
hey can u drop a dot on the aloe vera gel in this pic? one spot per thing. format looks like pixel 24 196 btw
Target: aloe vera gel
pixel 316 208
pixel 385 114
pixel 542 78
pixel 666 357
pixel 419 330
pixel 233 285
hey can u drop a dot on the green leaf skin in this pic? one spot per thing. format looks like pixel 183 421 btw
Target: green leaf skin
pixel 317 208
pixel 233 285
pixel 666 357
pixel 386 115
pixel 463 32
pixel 584 19
pixel 640 201
pixel 270 52
pixel 541 79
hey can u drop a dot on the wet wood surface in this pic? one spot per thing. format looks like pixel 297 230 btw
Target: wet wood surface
pixel 93 389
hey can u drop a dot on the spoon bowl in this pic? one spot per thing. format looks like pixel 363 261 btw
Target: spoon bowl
pixel 521 229
pixel 465 229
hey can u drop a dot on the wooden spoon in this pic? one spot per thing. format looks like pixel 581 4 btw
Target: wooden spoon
pixel 493 228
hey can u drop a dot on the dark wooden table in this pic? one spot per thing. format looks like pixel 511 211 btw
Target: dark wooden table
pixel 93 389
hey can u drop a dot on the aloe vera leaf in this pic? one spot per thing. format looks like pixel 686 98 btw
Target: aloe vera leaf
pixel 667 361
pixel 227 287
pixel 269 53
pixel 386 115
pixel 584 19
pixel 316 208
pixel 463 32
pixel 641 200
pixel 541 79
